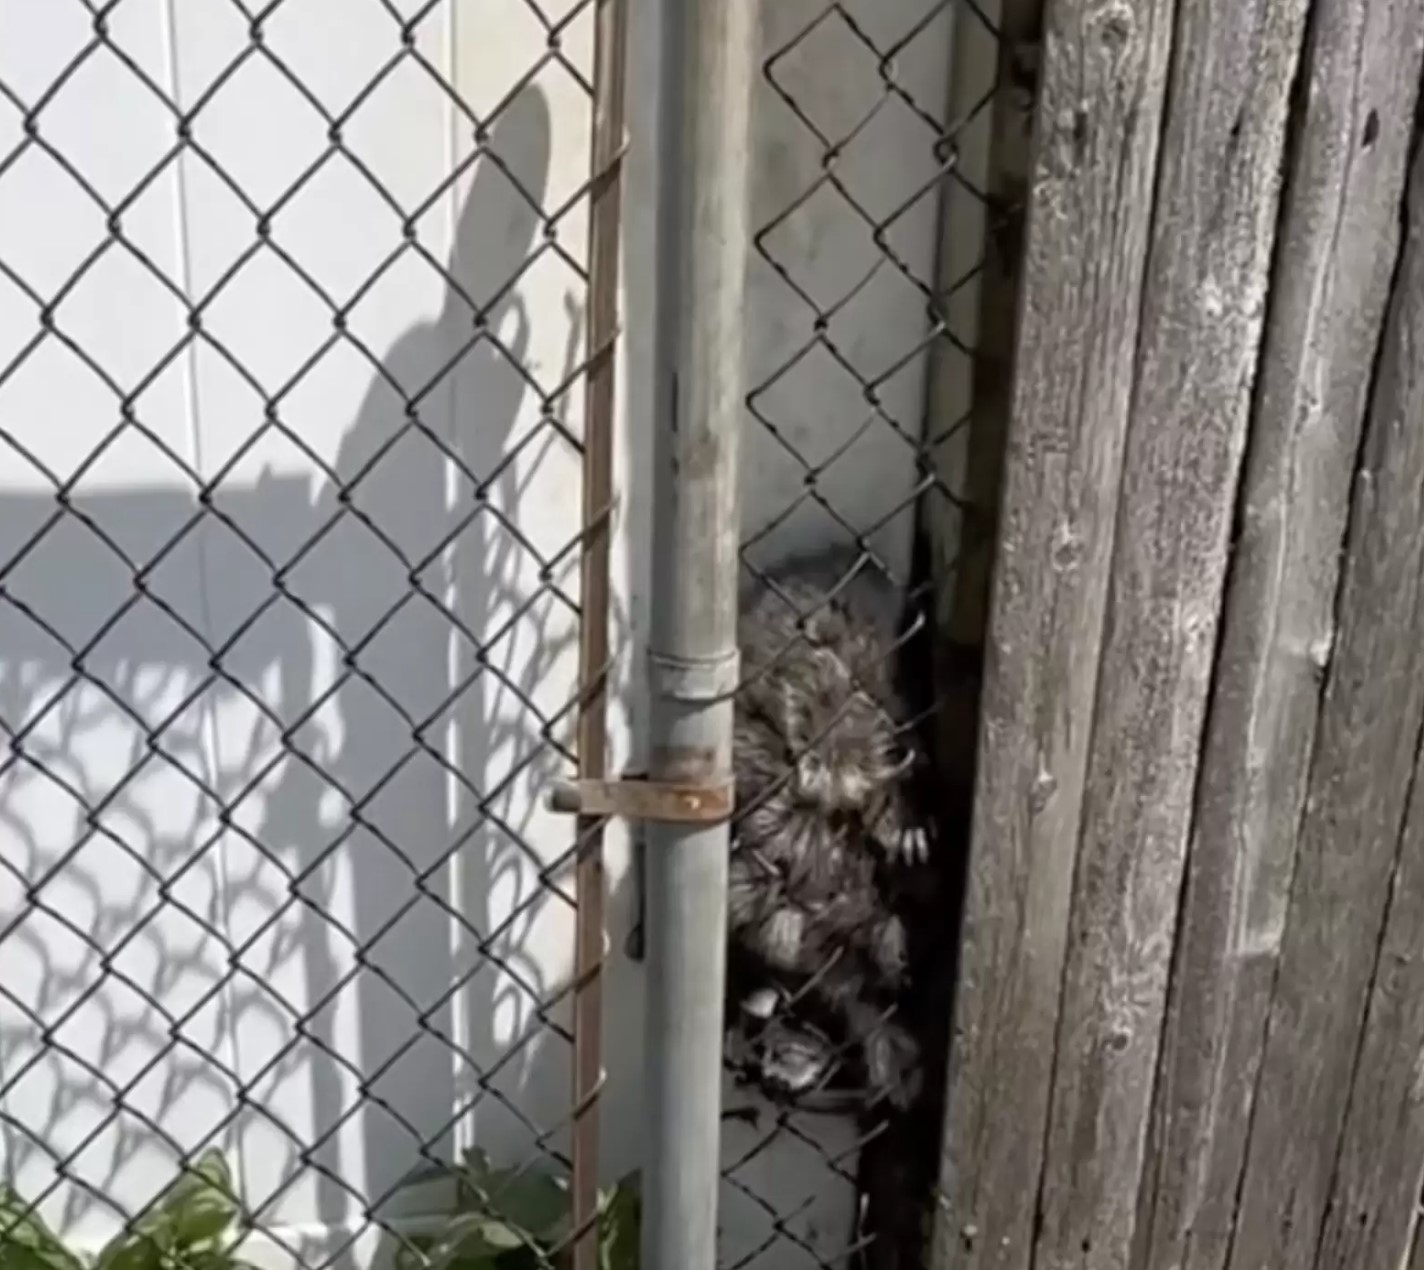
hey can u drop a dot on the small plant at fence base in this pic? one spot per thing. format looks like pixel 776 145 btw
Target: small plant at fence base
pixel 521 1219
pixel 505 1219
pixel 193 1226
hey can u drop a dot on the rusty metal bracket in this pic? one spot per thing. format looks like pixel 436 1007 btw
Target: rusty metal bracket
pixel 640 799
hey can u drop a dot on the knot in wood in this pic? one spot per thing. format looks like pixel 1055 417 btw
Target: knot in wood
pixel 1067 552
pixel 1045 785
pixel 1116 25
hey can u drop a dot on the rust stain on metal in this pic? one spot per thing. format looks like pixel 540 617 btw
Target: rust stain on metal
pixel 693 764
pixel 636 798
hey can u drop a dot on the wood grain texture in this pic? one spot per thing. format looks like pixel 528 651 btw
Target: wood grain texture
pixel 1335 254
pixel 1380 1169
pixel 1203 311
pixel 1097 124
pixel 1354 812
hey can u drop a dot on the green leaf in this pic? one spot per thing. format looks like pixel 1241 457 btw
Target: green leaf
pixel 425 1175
pixel 200 1205
pixel 473 1176
pixel 17 1256
pixel 532 1202
pixel 413 1252
pixel 189 1217
pixel 619 1226
pixel 473 1243
pixel 26 1242
pixel 135 1250
pixel 206 1259
pixel 475 1231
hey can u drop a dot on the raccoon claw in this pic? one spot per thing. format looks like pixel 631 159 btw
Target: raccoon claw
pixel 910 846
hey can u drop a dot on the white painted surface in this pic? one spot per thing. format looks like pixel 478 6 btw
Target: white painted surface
pixel 189 969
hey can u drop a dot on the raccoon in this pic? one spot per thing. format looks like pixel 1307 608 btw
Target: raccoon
pixel 822 729
pixel 827 832
pixel 827 1042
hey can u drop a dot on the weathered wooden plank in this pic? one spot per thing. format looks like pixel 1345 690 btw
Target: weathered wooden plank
pixel 1335 254
pixel 1203 311
pixel 1097 124
pixel 1355 805
pixel 1380 1169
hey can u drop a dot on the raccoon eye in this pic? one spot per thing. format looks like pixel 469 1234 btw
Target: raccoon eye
pixel 811 773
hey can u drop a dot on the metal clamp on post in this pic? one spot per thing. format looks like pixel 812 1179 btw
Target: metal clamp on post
pixel 638 797
pixel 635 797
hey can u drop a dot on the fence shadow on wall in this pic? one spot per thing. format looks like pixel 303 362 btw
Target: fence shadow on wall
pixel 352 681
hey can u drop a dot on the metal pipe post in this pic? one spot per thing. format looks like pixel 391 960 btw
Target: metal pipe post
pixel 708 64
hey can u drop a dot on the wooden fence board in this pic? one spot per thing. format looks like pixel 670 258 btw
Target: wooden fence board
pixel 1370 1216
pixel 1354 811
pixel 1335 255
pixel 1097 129
pixel 1233 62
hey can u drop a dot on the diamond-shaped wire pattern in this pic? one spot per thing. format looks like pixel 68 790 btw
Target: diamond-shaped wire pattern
pixel 289 577
pixel 288 630
pixel 873 286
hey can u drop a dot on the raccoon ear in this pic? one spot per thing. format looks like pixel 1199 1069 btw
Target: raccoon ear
pixel 898 764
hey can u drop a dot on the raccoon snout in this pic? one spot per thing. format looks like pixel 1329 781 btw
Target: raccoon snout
pixel 836 787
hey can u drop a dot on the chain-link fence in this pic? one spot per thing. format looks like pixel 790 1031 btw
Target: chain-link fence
pixel 305 412
pixel 887 140
pixel 298 322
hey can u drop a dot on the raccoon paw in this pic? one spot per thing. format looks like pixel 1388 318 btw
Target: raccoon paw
pixel 891 951
pixel 782 938
pixel 761 1004
pixel 892 1066
pixel 793 1067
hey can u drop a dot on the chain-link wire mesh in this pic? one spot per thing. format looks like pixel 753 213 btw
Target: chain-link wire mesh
pixel 877 334
pixel 289 599
pixel 289 548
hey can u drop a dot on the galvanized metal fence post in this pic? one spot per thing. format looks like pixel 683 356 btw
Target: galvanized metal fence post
pixel 708 66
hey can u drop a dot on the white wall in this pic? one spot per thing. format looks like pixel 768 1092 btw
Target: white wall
pixel 180 920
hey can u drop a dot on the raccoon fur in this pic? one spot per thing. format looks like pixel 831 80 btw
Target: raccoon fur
pixel 827 832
